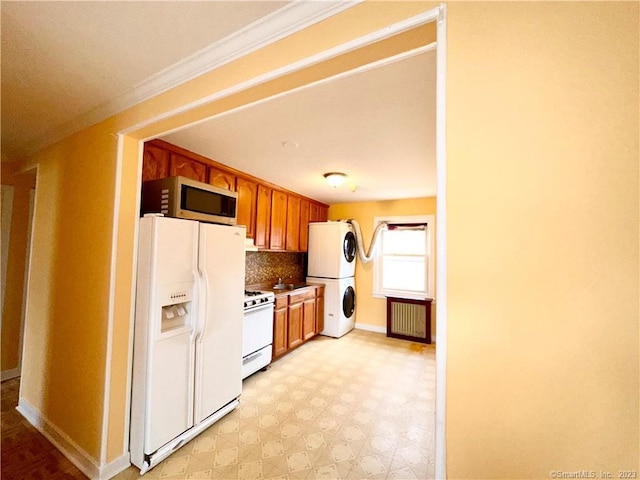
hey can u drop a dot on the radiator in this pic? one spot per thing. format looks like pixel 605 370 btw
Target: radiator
pixel 409 319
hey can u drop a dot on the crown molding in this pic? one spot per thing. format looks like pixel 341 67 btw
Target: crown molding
pixel 285 21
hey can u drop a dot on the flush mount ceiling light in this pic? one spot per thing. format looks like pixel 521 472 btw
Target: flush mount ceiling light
pixel 335 179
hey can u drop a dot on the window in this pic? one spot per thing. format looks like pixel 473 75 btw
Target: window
pixel 403 264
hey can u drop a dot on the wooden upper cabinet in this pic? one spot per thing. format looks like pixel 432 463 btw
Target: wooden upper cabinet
pixel 323 213
pixel 317 212
pixel 222 179
pixel 187 167
pixel 304 225
pixel 263 217
pixel 247 201
pixel 275 219
pixel 293 224
pixel 155 163
pixel 278 220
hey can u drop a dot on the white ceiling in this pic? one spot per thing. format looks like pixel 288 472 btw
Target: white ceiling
pixel 377 126
pixel 66 65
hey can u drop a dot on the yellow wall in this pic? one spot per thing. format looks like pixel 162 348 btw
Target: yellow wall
pixel 372 311
pixel 67 310
pixel 69 354
pixel 16 259
pixel 542 139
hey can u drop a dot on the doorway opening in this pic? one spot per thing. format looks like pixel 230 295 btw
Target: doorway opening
pixel 18 205
pixel 241 99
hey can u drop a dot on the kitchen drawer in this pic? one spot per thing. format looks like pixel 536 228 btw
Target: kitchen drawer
pixel 302 296
pixel 282 301
pixel 255 361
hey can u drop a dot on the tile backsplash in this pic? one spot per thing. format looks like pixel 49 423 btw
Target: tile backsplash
pixel 266 267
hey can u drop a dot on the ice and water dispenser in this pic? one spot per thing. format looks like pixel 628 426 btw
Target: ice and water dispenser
pixel 174 316
pixel 176 307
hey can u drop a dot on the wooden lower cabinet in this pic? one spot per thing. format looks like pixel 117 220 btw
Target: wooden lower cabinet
pixel 319 308
pixel 295 318
pixel 295 323
pixel 309 316
pixel 280 335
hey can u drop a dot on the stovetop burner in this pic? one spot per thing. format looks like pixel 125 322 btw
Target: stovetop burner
pixel 253 298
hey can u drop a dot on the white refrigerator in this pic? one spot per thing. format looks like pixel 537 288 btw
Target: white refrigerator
pixel 187 357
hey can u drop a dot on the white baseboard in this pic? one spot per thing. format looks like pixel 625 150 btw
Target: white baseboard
pixel 115 467
pixel 9 374
pixel 76 455
pixel 371 328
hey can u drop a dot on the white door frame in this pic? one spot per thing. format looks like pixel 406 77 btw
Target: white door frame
pixel 437 14
pixel 441 242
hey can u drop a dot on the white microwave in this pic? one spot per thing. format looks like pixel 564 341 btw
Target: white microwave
pixel 181 197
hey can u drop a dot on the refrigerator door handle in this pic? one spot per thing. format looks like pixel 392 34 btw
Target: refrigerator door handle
pixel 203 288
pixel 202 309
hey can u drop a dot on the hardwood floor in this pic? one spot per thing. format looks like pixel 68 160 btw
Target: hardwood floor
pixel 26 453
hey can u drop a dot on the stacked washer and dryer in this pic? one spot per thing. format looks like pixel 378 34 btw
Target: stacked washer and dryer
pixel 332 261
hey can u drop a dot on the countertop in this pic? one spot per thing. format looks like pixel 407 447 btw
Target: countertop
pixel 294 287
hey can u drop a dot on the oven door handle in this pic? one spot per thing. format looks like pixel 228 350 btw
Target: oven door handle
pixel 251 357
pixel 257 308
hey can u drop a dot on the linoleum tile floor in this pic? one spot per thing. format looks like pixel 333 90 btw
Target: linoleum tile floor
pixel 358 407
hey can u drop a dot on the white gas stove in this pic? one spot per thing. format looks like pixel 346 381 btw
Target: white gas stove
pixel 257 331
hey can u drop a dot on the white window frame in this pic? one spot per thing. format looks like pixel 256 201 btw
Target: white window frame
pixel 380 292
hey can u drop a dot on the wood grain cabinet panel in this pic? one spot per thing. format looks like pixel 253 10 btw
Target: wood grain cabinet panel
pixel 222 179
pixel 263 217
pixel 278 220
pixel 309 317
pixel 155 163
pixel 280 331
pixel 319 309
pixel 294 319
pixel 247 201
pixel 187 167
pixel 298 316
pixel 324 213
pixel 317 212
pixel 303 245
pixel 292 242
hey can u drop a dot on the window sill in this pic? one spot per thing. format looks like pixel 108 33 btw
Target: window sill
pixel 408 296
